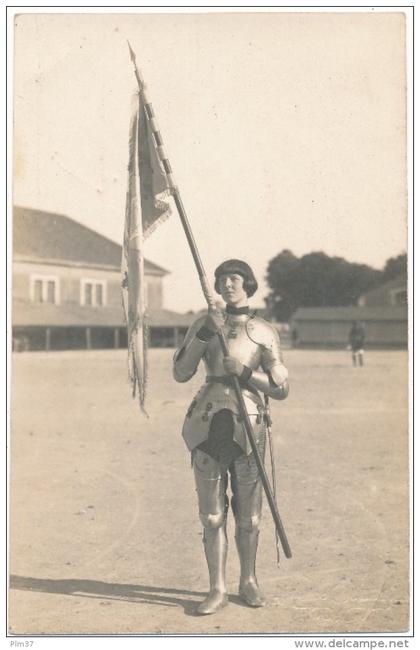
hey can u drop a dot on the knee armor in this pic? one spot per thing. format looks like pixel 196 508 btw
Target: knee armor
pixel 212 520
pixel 245 518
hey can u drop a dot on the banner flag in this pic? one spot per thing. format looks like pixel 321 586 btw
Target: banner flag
pixel 145 210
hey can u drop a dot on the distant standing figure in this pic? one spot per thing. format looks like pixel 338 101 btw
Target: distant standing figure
pixel 356 340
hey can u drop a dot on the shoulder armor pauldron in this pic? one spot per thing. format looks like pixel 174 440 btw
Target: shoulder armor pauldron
pixel 261 332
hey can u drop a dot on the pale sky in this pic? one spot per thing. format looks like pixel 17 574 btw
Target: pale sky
pixel 284 130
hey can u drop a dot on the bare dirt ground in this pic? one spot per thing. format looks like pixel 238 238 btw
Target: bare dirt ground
pixel 104 531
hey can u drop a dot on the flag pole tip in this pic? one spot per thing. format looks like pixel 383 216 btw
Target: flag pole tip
pixel 132 55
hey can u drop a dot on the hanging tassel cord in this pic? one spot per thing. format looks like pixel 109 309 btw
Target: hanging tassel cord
pixel 269 423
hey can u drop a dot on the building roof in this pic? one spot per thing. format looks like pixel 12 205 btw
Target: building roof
pixel 399 282
pixel 380 313
pixel 27 314
pixel 55 238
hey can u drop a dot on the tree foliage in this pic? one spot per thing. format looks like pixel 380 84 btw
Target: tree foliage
pixel 317 280
pixel 394 267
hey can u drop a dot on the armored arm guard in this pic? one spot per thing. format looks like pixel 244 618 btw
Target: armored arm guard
pixel 273 381
pixel 266 383
pixel 188 356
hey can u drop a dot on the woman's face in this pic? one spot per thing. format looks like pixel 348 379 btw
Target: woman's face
pixel 231 287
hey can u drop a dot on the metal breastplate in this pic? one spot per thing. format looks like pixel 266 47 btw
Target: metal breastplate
pixel 216 396
pixel 239 343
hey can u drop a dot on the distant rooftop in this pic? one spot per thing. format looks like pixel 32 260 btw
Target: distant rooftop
pixel 382 292
pixel 400 281
pixel 46 236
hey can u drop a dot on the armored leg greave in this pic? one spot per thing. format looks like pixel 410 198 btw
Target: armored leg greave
pixel 215 547
pixel 246 505
pixel 211 491
pixel 247 543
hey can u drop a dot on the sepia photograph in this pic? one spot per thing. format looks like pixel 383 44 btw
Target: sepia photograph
pixel 210 342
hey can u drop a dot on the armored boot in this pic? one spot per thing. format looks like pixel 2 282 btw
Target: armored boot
pixel 215 547
pixel 247 543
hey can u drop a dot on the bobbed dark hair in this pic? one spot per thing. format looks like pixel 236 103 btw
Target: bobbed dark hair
pixel 241 268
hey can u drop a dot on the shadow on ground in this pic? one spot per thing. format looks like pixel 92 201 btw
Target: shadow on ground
pixel 111 591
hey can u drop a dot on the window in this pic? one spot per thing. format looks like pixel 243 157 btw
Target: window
pixel 93 293
pixel 99 295
pixel 38 291
pixel 44 289
pixel 88 293
pixel 51 291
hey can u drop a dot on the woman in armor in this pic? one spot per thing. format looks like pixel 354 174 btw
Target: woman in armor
pixel 213 430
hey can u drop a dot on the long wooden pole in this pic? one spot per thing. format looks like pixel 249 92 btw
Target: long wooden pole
pixel 211 303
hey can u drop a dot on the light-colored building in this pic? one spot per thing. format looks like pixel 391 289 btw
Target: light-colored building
pixel 67 288
pixel 392 293
pixel 385 326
